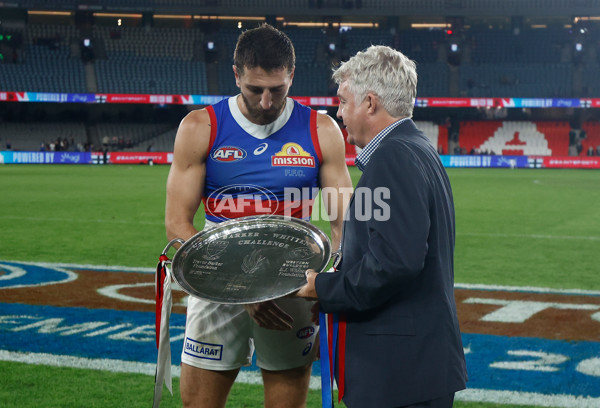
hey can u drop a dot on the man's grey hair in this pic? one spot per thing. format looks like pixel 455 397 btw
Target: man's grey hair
pixel 387 73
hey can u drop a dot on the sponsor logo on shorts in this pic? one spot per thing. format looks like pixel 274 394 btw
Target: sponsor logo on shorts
pixel 307 349
pixel 292 154
pixel 229 154
pixel 305 332
pixel 206 351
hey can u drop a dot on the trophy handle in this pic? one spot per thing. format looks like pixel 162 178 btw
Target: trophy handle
pixel 337 258
pixel 170 244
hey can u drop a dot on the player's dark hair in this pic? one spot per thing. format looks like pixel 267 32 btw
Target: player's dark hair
pixel 265 47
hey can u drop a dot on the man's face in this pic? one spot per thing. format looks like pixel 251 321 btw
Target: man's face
pixel 263 93
pixel 353 115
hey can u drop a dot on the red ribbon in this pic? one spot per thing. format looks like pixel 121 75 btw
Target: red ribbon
pixel 161 275
pixel 341 355
pixel 336 337
pixel 331 342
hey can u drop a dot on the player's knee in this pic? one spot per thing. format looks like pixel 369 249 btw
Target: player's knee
pixel 201 388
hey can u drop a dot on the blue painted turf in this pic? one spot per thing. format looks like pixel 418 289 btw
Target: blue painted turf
pixel 494 362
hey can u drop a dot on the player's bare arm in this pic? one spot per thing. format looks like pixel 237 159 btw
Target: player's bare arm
pixel 334 174
pixel 185 183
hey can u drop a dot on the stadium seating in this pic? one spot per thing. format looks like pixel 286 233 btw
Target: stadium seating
pixel 437 134
pixel 515 138
pixel 359 39
pixel 529 46
pixel 45 62
pixel 141 136
pixel 160 143
pixel 592 138
pixel 125 73
pixel 313 66
pixel 153 61
pixel 148 59
pixel 423 46
pixel 158 60
pixel 33 135
pixel 36 136
pixel 381 6
pixel 525 80
pixel 591 87
pixel 433 79
pixel 225 44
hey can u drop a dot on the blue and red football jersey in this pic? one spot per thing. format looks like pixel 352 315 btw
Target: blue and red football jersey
pixel 261 169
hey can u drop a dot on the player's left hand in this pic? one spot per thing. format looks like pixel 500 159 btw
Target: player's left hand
pixel 308 291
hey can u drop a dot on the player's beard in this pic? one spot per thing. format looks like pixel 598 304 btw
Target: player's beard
pixel 260 116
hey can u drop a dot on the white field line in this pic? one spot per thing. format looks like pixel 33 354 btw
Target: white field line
pixel 529 236
pixel 254 377
pixel 472 286
pixel 118 366
pixel 527 289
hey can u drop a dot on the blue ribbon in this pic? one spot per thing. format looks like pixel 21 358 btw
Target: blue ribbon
pixel 326 374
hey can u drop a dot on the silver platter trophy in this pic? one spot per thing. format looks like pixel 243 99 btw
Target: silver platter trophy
pixel 250 259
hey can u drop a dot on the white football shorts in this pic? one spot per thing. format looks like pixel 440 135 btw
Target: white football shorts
pixel 223 337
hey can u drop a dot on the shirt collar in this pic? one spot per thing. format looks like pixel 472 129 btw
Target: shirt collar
pixel 362 159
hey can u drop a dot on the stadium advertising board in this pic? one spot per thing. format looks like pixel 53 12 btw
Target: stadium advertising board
pixel 140 158
pixel 188 99
pixel 566 162
pixel 474 161
pixel 10 157
pixel 485 161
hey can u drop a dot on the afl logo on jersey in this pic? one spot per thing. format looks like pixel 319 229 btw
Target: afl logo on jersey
pixel 292 154
pixel 228 154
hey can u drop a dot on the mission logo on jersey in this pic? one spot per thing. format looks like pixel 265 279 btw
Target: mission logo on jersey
pixel 228 154
pixel 292 154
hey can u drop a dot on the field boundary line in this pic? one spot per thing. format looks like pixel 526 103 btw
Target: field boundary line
pixel 528 236
pixel 119 366
pixel 526 289
pixel 254 377
pixel 457 285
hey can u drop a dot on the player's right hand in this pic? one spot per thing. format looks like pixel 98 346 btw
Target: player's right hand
pixel 269 315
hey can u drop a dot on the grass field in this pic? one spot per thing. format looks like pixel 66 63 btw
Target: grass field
pixel 514 227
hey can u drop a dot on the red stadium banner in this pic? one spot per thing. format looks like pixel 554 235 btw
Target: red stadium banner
pixel 140 158
pixel 317 100
pixel 577 162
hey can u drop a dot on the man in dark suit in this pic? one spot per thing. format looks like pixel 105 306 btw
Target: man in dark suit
pixel 394 286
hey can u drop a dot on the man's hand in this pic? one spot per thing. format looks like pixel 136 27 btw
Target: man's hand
pixel 308 291
pixel 269 315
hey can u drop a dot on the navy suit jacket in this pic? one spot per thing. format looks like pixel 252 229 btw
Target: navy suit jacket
pixel 395 282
